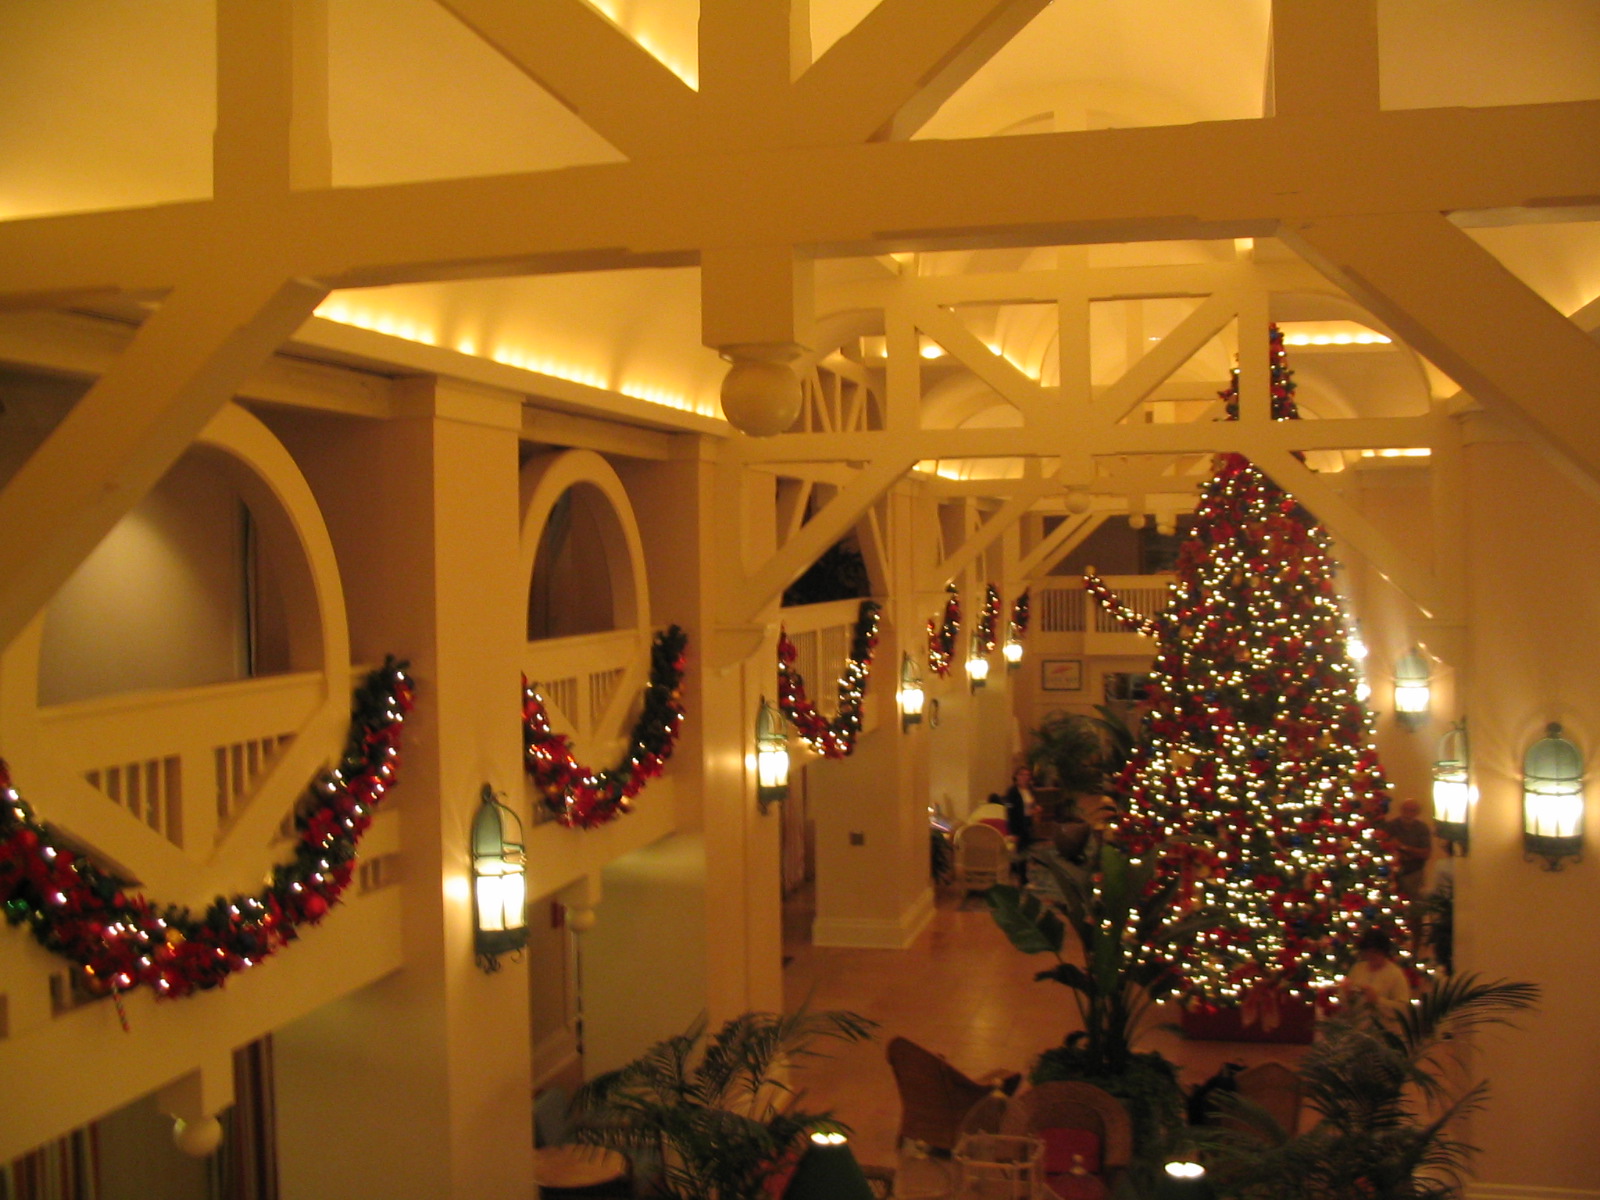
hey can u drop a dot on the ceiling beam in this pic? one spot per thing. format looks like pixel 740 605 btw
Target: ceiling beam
pixel 610 82
pixel 889 74
pixel 1455 303
pixel 1219 179
pixel 131 426
pixel 1189 437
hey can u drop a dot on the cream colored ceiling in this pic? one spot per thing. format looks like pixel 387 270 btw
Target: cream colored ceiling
pixel 109 103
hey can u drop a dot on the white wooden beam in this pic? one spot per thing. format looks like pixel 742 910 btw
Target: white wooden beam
pixel 1455 303
pixel 1062 541
pixel 1347 523
pixel 1186 340
pixel 746 602
pixel 1034 189
pixel 887 76
pixel 132 425
pixel 610 82
pixel 272 99
pixel 1324 57
pixel 995 524
pixel 994 369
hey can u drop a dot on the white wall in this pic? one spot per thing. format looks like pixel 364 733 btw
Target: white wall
pixel 160 603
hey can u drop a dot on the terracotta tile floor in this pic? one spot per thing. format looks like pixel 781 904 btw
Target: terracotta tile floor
pixel 960 990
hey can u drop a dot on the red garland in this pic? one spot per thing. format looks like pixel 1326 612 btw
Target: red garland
pixel 79 911
pixel 836 738
pixel 942 637
pixel 584 798
pixel 1111 603
pixel 983 636
pixel 1019 618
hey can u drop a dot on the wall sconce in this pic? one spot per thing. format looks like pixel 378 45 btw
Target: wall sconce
pixel 1452 788
pixel 911 697
pixel 772 756
pixel 1013 653
pixel 1412 678
pixel 1552 799
pixel 499 882
pixel 977 666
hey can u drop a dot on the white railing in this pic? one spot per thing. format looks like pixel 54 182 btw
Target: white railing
pixel 183 762
pixel 1066 608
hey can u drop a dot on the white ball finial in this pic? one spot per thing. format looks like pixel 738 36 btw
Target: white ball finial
pixel 199 1138
pixel 760 396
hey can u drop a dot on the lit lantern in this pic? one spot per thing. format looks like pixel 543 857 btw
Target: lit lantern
pixel 772 756
pixel 1552 799
pixel 1013 653
pixel 1452 788
pixel 1412 680
pixel 977 665
pixel 500 881
pixel 911 696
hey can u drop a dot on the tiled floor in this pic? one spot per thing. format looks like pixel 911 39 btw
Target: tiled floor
pixel 960 990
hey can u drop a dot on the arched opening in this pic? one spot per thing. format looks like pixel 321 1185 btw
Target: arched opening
pixel 201 583
pixel 571 591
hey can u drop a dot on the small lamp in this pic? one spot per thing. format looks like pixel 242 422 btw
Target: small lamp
pixel 772 756
pixel 1552 799
pixel 911 696
pixel 977 665
pixel 1013 653
pixel 1411 688
pixel 500 882
pixel 828 1170
pixel 1452 788
pixel 1183 1179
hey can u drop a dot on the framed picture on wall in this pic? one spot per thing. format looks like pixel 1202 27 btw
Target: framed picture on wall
pixel 1061 674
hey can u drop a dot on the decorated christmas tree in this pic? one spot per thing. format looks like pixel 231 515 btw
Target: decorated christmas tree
pixel 1254 775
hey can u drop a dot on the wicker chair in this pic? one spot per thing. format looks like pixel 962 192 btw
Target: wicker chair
pixel 1074 1105
pixel 981 857
pixel 935 1097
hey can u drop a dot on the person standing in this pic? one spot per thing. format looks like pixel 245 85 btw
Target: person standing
pixel 1413 846
pixel 1376 984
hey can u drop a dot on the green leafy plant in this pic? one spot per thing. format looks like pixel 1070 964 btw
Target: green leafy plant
pixel 1069 751
pixel 713 1111
pixel 1387 1098
pixel 1120 918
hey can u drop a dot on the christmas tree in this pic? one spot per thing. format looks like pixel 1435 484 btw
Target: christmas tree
pixel 1255 775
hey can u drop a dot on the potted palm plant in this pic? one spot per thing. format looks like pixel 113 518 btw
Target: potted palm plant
pixel 711 1114
pixel 1119 916
pixel 1387 1095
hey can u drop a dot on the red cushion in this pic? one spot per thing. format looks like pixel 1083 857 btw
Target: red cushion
pixel 999 823
pixel 1062 1146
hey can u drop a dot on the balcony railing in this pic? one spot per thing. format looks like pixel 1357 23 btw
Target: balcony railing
pixel 1066 608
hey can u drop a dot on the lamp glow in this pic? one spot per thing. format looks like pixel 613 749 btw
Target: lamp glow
pixel 499 882
pixel 1452 788
pixel 911 697
pixel 772 756
pixel 1013 653
pixel 1552 799
pixel 1412 690
pixel 977 670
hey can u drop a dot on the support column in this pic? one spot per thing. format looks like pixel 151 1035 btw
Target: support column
pixel 421 1085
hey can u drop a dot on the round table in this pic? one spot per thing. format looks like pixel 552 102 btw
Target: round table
pixel 574 1166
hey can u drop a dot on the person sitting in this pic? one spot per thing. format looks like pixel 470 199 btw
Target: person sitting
pixel 1021 808
pixel 1413 846
pixel 1376 985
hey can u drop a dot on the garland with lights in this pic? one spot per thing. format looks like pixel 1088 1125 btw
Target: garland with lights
pixel 942 633
pixel 983 635
pixel 835 738
pixel 1019 618
pixel 80 911
pixel 1254 777
pixel 581 797
pixel 1111 603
